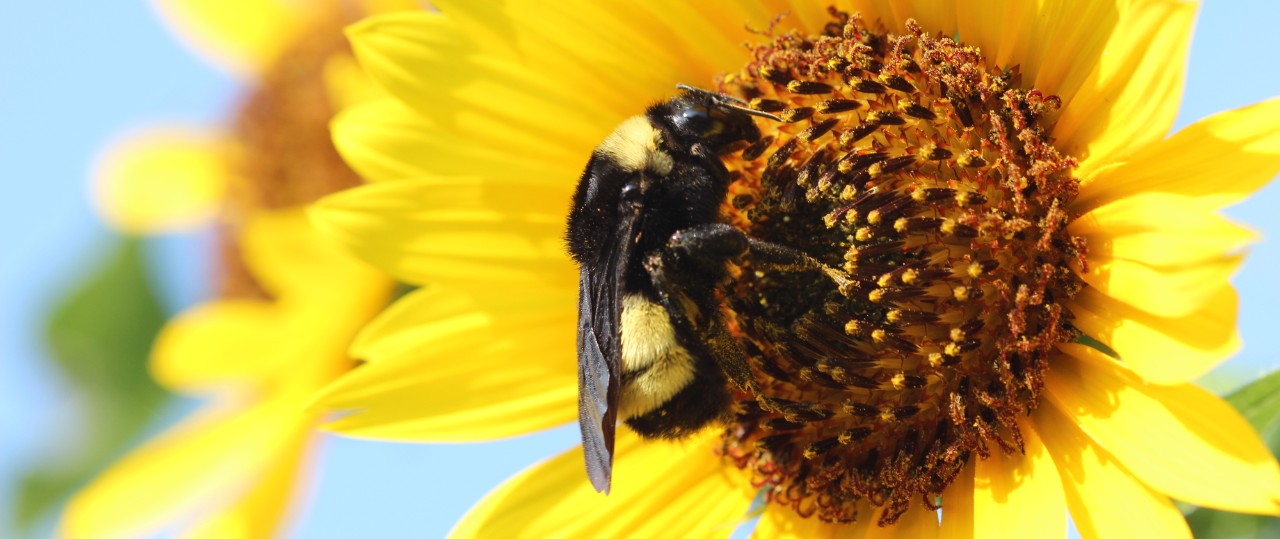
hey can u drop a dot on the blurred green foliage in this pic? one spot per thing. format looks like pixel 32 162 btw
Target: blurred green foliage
pixel 99 336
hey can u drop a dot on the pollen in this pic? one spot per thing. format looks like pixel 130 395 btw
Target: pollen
pixel 923 176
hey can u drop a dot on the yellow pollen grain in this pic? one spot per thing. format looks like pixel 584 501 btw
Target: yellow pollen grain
pixel 885 280
pixel 863 234
pixel 935 360
pixel 848 192
pixel 961 293
pixel 952 349
pixel 975 270
pixel 910 276
pixel 957 334
pixel 948 227
pixel 894 316
pixel 899 381
pixel 878 335
pixel 873 217
pixel 887 416
pixel 876 296
pixel 852 327
pixel 900 225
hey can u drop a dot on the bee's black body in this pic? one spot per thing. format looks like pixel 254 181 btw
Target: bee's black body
pixel 644 229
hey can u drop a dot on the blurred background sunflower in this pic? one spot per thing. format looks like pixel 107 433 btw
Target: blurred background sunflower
pixel 77 74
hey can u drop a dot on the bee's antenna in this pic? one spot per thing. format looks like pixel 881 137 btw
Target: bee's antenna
pixel 729 101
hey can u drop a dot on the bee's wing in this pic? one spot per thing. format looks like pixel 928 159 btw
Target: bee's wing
pixel 600 349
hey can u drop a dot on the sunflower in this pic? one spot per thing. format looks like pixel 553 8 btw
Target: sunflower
pixel 1031 272
pixel 287 301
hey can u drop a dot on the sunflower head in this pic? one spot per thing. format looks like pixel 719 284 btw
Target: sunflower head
pixel 928 177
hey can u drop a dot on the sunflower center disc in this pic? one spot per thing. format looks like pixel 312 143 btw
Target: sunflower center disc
pixel 286 158
pixel 928 177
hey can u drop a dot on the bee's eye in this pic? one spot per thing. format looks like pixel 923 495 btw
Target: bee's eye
pixel 697 120
pixel 630 192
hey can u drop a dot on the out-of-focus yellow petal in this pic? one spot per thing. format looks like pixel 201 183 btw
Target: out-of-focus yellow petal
pixel 1173 292
pixel 518 376
pixel 1161 230
pixel 162 179
pixel 1131 98
pixel 1162 350
pixel 219 343
pixel 1181 440
pixel 660 489
pixel 1220 160
pixel 455 230
pixel 958 506
pixel 1019 495
pixel 264 510
pixel 242 36
pixel 1106 501
pixel 292 260
pixel 202 463
pixel 346 83
pixel 374 7
pixel 383 140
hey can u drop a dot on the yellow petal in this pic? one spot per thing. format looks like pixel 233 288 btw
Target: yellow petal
pixel 162 179
pixel 404 52
pixel 958 506
pixel 455 230
pixel 1220 160
pixel 196 467
pixel 242 36
pixel 1162 350
pixel 1018 495
pixel 1131 98
pixel 383 140
pixel 1176 291
pixel 1105 499
pixel 219 343
pixel 346 83
pixel 660 489
pixel 294 262
pixel 1062 52
pixel 452 366
pixel 1180 440
pixel 264 510
pixel 1161 230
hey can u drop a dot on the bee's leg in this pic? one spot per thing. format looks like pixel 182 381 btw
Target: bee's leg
pixel 686 274
pixel 784 258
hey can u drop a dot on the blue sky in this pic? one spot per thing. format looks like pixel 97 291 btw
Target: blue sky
pixel 75 73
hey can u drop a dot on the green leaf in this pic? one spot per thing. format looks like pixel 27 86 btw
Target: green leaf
pixel 1259 403
pixel 99 336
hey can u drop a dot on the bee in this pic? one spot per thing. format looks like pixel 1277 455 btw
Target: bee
pixel 645 231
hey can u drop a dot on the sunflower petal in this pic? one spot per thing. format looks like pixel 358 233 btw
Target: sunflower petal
pixel 660 489
pixel 1161 230
pixel 1131 98
pixel 162 179
pixel 1162 350
pixel 454 230
pixel 206 460
pixel 1181 440
pixel 958 506
pixel 1219 160
pixel 229 341
pixel 404 52
pixel 518 375
pixel 383 140
pixel 1173 292
pixel 1105 499
pixel 242 36
pixel 1019 495
pixel 263 511
pixel 293 261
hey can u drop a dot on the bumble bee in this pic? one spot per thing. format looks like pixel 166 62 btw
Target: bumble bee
pixel 644 228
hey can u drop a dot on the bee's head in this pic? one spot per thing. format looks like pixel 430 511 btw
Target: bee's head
pixel 705 122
